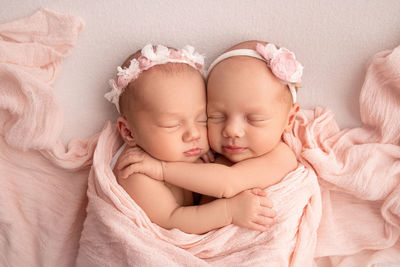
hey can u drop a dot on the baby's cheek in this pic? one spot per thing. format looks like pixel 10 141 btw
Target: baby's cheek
pixel 215 144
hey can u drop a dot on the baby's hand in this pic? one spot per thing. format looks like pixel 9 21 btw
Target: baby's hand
pixel 135 160
pixel 208 157
pixel 252 209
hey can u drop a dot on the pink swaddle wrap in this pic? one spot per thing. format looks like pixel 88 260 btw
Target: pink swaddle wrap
pixel 296 198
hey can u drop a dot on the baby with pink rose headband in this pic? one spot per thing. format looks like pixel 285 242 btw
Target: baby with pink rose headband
pixel 161 96
pixel 251 102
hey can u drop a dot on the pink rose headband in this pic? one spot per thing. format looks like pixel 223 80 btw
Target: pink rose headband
pixel 148 59
pixel 282 63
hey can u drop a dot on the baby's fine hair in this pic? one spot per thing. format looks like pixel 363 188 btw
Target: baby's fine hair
pixel 251 44
pixel 166 69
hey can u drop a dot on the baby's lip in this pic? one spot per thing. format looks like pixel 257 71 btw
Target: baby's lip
pixel 193 152
pixel 233 149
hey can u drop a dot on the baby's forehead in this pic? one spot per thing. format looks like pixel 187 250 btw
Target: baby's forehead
pixel 241 67
pixel 242 73
pixel 242 61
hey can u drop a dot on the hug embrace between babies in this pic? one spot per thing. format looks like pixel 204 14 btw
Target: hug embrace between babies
pixel 172 112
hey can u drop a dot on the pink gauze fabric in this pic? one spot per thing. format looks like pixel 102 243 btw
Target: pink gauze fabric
pixel 62 206
pixel 116 226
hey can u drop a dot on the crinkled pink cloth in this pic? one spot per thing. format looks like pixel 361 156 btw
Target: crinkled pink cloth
pixel 45 200
pixel 117 230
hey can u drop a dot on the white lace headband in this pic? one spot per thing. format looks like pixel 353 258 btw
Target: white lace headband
pixel 282 63
pixel 150 58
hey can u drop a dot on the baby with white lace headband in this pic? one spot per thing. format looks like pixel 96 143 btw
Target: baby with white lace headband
pixel 161 97
pixel 251 102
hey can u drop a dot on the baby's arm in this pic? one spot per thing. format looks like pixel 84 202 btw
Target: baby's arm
pixel 215 179
pixel 248 209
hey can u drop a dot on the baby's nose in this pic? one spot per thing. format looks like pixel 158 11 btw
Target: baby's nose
pixel 191 134
pixel 233 129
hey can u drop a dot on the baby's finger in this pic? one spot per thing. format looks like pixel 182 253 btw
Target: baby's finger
pixel 128 159
pixel 264 221
pixel 129 154
pixel 208 157
pixel 258 192
pixel 267 212
pixel 134 149
pixel 211 155
pixel 258 227
pixel 131 169
pixel 205 158
pixel 133 152
pixel 122 164
pixel 266 202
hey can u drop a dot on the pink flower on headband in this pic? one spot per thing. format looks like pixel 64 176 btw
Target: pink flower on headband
pixel 282 62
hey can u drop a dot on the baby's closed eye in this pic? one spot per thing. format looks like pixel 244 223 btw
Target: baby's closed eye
pixel 216 117
pixel 169 124
pixel 257 119
pixel 202 119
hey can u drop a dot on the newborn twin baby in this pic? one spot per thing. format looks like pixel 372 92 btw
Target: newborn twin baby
pixel 169 119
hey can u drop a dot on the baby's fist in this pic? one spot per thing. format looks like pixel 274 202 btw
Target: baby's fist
pixel 252 209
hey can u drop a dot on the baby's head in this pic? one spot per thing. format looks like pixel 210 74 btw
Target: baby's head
pixel 162 103
pixel 250 101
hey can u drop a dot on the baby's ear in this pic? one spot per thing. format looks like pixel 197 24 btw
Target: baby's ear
pixel 292 116
pixel 126 133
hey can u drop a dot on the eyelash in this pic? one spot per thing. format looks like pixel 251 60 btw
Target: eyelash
pixel 170 127
pixel 176 126
pixel 219 119
pixel 256 120
pixel 216 118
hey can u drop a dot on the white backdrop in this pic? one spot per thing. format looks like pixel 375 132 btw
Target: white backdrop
pixel 332 39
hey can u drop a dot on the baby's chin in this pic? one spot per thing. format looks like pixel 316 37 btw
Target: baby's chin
pixel 235 158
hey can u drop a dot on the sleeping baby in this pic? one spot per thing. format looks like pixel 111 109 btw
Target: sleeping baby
pixel 251 104
pixel 160 94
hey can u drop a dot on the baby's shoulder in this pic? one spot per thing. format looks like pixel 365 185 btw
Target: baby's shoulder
pixel 139 181
pixel 145 189
pixel 283 153
pixel 281 156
